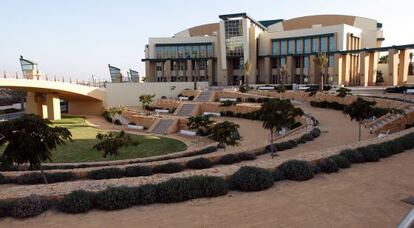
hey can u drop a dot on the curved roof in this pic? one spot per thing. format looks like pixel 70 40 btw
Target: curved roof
pixel 201 30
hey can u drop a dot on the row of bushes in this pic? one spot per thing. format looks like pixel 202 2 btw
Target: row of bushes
pixel 4 166
pixel 313 134
pixel 182 189
pixel 377 112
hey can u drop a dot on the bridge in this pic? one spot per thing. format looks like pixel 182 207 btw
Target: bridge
pixel 43 97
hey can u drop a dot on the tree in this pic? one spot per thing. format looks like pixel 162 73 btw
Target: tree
pixel 110 143
pixel 383 59
pixel 146 100
pixel 199 123
pixel 360 110
pixel 277 114
pixel 280 89
pixel 114 112
pixel 247 67
pixel 172 88
pixel 380 77
pixel 322 62
pixel 227 104
pixel 31 139
pixel 283 74
pixel 343 92
pixel 225 133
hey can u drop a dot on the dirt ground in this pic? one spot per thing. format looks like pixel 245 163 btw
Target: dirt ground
pixel 368 195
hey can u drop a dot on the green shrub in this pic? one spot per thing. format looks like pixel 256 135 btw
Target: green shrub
pixel 306 137
pixel 137 171
pixel 182 189
pixel 199 163
pixel 278 175
pixel 369 154
pixel 107 173
pixel 244 156
pixel 115 198
pixel 117 122
pixel 168 168
pixel 249 179
pixel 77 202
pixel 29 206
pixel 37 178
pixel 146 194
pixel 328 166
pixel 341 161
pixel 406 142
pixel 382 152
pixel 316 132
pixel 354 156
pixel 297 170
pixel 396 147
pixel 6 208
pixel 228 159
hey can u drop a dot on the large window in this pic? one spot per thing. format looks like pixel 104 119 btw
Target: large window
pixel 283 47
pixel 276 48
pixel 282 61
pixel 315 42
pixel 306 62
pixel 173 52
pixel 291 49
pixel 182 51
pixel 234 37
pixel 324 44
pixel 331 61
pixel 304 45
pixel 307 45
pixel 332 45
pixel 299 46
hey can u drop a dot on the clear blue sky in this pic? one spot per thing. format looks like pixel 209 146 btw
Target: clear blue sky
pixel 79 38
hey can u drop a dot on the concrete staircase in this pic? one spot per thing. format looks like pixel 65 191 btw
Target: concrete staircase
pixel 204 96
pixel 389 118
pixel 186 110
pixel 162 126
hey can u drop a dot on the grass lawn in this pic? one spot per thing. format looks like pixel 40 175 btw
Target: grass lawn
pixel 81 149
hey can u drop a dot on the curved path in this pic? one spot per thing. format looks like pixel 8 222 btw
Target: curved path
pixel 337 130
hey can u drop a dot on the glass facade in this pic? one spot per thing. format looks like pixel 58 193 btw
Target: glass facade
pixel 299 46
pixel 304 45
pixel 332 45
pixel 276 48
pixel 315 44
pixel 291 44
pixel 324 44
pixel 234 37
pixel 181 51
pixel 307 44
pixel 283 47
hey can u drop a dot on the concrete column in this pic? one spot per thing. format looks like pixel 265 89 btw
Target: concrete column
pixel 31 104
pixel 392 78
pixel 337 72
pixel 267 70
pixel 364 65
pixel 373 67
pixel 53 107
pixel 346 64
pixel 404 62
pixel 312 69
pixel 189 72
pixel 167 68
pixel 210 71
pixel 289 68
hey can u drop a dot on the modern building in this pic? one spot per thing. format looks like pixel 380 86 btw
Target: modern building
pixel 276 50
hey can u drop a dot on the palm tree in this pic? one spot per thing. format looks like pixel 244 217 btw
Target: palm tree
pixel 322 62
pixel 31 139
pixel 225 133
pixel 200 124
pixel 283 74
pixel 277 114
pixel 114 112
pixel 360 110
pixel 146 100
pixel 247 67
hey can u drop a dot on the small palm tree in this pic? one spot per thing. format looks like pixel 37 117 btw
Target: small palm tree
pixel 360 110
pixel 277 114
pixel 322 62
pixel 114 112
pixel 247 67
pixel 146 100
pixel 199 123
pixel 31 139
pixel 225 133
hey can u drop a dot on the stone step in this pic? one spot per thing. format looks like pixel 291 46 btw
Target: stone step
pixel 186 110
pixel 204 96
pixel 162 126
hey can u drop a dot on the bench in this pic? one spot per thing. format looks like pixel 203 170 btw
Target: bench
pixel 266 88
pixel 135 127
pixel 183 98
pixel 228 99
pixel 162 110
pixel 409 91
pixel 303 88
pixel 187 132
pixel 212 114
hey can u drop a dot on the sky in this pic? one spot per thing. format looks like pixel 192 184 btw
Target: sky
pixel 79 38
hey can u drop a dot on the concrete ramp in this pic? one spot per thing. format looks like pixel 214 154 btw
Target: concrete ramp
pixel 204 96
pixel 162 127
pixel 186 110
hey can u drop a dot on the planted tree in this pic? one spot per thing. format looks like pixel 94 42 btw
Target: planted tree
pixel 280 89
pixel 146 100
pixel 360 110
pixel 321 62
pixel 343 92
pixel 277 114
pixel 114 112
pixel 31 139
pixel 226 133
pixel 110 143
pixel 200 124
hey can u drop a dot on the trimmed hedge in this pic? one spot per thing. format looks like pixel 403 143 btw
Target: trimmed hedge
pixel 328 165
pixel 107 173
pixel 199 163
pixel 297 170
pixel 137 171
pixel 228 159
pixel 30 206
pixel 115 198
pixel 341 161
pixel 278 175
pixel 354 156
pixel 6 208
pixel 77 202
pixel 37 178
pixel 146 194
pixel 182 189
pixel 244 156
pixel 369 154
pixel 168 168
pixel 249 179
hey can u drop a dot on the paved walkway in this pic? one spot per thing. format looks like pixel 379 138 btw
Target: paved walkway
pixel 368 195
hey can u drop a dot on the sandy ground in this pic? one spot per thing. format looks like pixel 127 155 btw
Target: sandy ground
pixel 368 195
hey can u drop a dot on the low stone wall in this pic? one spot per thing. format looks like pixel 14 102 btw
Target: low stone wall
pixel 145 121
pixel 239 108
pixel 243 96
pixel 398 125
pixel 189 93
pixel 166 104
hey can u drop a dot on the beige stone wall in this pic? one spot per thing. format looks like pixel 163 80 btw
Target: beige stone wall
pixel 398 125
pixel 145 121
pixel 166 104
pixel 85 108
pixel 239 108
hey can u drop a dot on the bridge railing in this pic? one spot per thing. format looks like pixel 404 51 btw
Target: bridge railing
pixel 95 83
